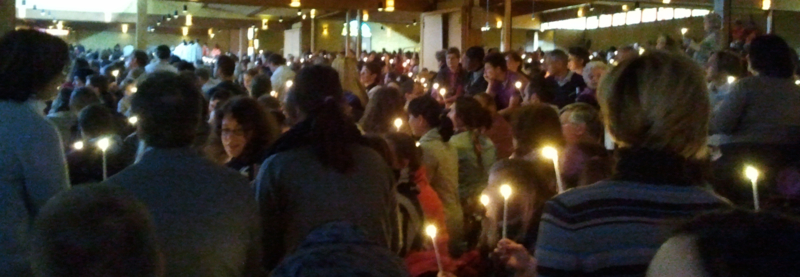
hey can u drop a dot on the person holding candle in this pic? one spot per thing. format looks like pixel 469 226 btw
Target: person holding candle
pixel 662 142
pixel 280 75
pixel 501 81
pixel 534 127
pixel 381 112
pixel 593 72
pixel 568 83
pixel 758 120
pixel 720 67
pixel 341 178
pixel 585 161
pixel 452 77
pixel 32 164
pixel 96 122
pixel 427 119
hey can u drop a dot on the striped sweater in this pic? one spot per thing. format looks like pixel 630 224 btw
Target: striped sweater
pixel 614 228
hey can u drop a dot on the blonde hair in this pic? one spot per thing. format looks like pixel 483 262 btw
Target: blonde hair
pixel 348 76
pixel 657 101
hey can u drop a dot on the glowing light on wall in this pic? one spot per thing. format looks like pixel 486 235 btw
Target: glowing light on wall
pixel 325 30
pixel 389 5
pixel 295 3
pixel 124 28
pixel 634 17
pixel 366 16
pixel 365 30
pixel 211 32
pixel 255 43
pixel 188 20
pixel 591 23
pixel 264 24
pixel 107 16
pixel 649 15
pixel 499 24
pixel 766 4
pixel 666 1
pixel 605 21
pixel 250 33
pixel 665 14
pixel 185 31
pixel 619 19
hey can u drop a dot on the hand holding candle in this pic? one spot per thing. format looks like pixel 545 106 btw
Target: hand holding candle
pixel 552 153
pixel 505 191
pixel 443 92
pixel 103 144
pixel 431 231
pixel 398 123
pixel 752 174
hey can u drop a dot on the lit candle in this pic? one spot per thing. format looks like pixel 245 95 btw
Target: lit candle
pixel 78 145
pixel 431 231
pixel 103 144
pixel 289 84
pixel 485 200
pixel 115 73
pixel 417 144
pixel 752 174
pixel 398 123
pixel 435 86
pixel 422 80
pixel 273 94
pixel 731 79
pixel 505 191
pixel 134 90
pixel 518 85
pixel 443 92
pixel 133 119
pixel 684 31
pixel 552 153
pixel 410 74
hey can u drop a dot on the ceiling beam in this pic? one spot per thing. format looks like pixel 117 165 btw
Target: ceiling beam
pixel 401 5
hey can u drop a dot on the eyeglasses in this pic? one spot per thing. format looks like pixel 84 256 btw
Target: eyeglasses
pixel 239 132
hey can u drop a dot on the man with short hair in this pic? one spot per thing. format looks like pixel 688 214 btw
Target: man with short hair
pixel 280 74
pixel 163 54
pixel 224 71
pixel 451 77
pixel 473 64
pixel 205 215
pixel 568 84
pixel 135 64
pixel 205 81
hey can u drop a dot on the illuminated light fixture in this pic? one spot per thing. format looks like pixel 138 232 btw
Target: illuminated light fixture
pixel 666 1
pixel 499 24
pixel 60 25
pixel 280 19
pixel 185 8
pixel 580 12
pixel 304 16
pixel 313 13
pixel 366 16
pixel 255 43
pixel 389 5
pixel 22 12
pixel 124 28
pixel 168 17
pixel 57 32
pixel 414 22
pixel 185 31
pixel 486 28
pixel 380 6
pixel 211 32
pixel 188 20
pixel 175 14
pixel 299 12
pixel 264 24
pixel 625 8
pixel 295 3
pixel 325 30
pixel 250 33
pixel 107 16
pixel 766 4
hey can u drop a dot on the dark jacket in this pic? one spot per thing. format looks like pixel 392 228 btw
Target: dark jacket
pixel 297 194
pixel 568 92
pixel 205 214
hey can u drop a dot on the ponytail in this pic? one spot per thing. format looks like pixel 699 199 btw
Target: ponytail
pixel 331 136
pixel 446 128
pixel 434 114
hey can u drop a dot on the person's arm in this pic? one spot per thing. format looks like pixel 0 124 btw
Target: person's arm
pixel 516 257
pixel 557 249
pixel 271 215
pixel 254 259
pixel 44 166
pixel 725 118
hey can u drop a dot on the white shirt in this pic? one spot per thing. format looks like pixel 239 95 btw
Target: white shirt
pixel 279 78
pixel 161 65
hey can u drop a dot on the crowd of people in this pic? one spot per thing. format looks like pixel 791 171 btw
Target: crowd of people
pixel 335 164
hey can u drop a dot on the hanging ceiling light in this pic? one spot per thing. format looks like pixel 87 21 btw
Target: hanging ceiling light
pixel 185 8
pixel 168 17
pixel 486 28
pixel 188 20
pixel 389 5
pixel 264 24
pixel 366 16
pixel 666 1
pixel 280 19
pixel 624 8
pixel 295 3
pixel 299 12
pixel 380 6
pixel 766 4
pixel 176 14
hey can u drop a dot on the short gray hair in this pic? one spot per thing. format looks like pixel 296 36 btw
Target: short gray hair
pixel 587 70
pixel 583 113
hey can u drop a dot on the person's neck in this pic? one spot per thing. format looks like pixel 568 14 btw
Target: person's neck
pixel 226 78
pixel 502 76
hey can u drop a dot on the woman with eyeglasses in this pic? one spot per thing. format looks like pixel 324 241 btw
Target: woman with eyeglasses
pixel 243 130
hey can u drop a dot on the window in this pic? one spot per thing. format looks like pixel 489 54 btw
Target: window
pixel 649 15
pixel 700 13
pixel 605 21
pixel 634 17
pixel 619 19
pixel 682 13
pixel 665 14
pixel 592 23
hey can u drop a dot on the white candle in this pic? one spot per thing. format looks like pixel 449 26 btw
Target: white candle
pixel 505 191
pixel 103 144
pixel 398 123
pixel 431 231
pixel 752 174
pixel 552 153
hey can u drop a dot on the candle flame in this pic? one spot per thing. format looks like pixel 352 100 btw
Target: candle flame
pixel 273 93
pixel 431 231
pixel 133 119
pixel 518 85
pixel 550 153
pixel 289 84
pixel 134 89
pixel 435 85
pixel 731 79
pixel 751 173
pixel 78 145
pixel 485 200
pixel 505 191
pixel 103 143
pixel 443 92
pixel 397 123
